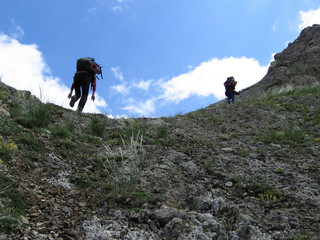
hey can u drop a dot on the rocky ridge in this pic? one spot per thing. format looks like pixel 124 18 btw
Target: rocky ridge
pixel 249 170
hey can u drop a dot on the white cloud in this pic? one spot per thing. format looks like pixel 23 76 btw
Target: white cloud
pixel 309 18
pixel 16 31
pixel 124 87
pixel 23 67
pixel 144 85
pixel 121 88
pixel 275 25
pixel 117 73
pixel 208 78
pixel 92 11
pixel 143 108
pixel 120 5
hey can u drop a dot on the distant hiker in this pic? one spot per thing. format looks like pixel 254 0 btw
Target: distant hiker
pixel 230 86
pixel 85 75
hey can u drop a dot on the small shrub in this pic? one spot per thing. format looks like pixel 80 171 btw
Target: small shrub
pixel 30 143
pixel 162 131
pixel 9 128
pixel 81 180
pixel 132 128
pixel 303 237
pixel 164 142
pixel 208 166
pixel 6 149
pixel 224 137
pixel 13 205
pixel 39 116
pixel 271 195
pixel 288 135
pixel 14 109
pixel 242 153
pixel 3 94
pixel 63 132
pixel 68 142
pixel 294 135
pixel 215 119
pixel 139 198
pixel 279 170
pixel 9 224
pixel 124 179
pixel 98 126
pixel 258 186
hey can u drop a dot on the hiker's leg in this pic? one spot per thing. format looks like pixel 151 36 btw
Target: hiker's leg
pixel 85 91
pixel 232 96
pixel 77 95
pixel 77 89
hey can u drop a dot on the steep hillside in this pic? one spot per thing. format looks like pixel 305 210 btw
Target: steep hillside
pixel 248 170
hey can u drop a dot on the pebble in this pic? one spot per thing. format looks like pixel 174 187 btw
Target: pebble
pixel 229 184
pixel 66 209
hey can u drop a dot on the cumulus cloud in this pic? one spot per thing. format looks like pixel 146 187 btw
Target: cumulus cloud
pixel 124 87
pixel 23 67
pixel 143 108
pixel 117 73
pixel 144 85
pixel 120 88
pixel 207 79
pixel 309 18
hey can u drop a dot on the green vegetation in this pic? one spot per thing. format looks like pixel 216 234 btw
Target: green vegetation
pixel 164 142
pixel 81 180
pixel 242 152
pixel 63 131
pixel 224 136
pixel 271 196
pixel 124 178
pixel 7 148
pixel 303 237
pixel 8 128
pixel 98 125
pixel 162 131
pixel 162 137
pixel 284 100
pixel 29 143
pixel 264 191
pixel 208 166
pixel 39 116
pixel 279 170
pixel 13 205
pixel 131 129
pixel 288 135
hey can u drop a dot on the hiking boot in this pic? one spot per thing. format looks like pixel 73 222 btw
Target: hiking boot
pixel 72 102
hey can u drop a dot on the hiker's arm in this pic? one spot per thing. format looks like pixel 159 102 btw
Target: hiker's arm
pixel 94 89
pixel 71 90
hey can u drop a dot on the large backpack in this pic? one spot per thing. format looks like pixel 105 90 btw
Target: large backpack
pixel 229 84
pixel 88 64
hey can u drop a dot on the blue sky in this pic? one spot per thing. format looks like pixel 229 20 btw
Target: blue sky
pixel 159 57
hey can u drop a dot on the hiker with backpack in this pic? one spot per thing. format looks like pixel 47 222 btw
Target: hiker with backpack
pixel 87 69
pixel 230 85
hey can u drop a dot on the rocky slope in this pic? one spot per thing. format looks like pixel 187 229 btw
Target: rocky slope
pixel 249 170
